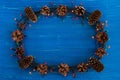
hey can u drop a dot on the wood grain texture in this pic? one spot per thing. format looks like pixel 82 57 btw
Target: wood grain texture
pixel 53 41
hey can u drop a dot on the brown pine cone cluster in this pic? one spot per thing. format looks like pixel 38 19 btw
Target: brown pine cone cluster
pixel 61 10
pixel 63 69
pixel 17 36
pixel 95 64
pixel 26 62
pixel 99 26
pixel 82 67
pixel 42 68
pixel 30 14
pixel 45 11
pixel 100 52
pixel 101 37
pixel 19 51
pixel 78 10
pixel 94 17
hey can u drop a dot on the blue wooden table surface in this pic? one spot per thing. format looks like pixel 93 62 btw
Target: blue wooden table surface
pixel 54 41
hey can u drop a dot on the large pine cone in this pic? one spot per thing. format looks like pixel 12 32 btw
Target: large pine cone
pixel 94 17
pixel 78 10
pixel 30 14
pixel 101 37
pixel 95 64
pixel 82 67
pixel 100 52
pixel 19 51
pixel 17 36
pixel 45 11
pixel 61 10
pixel 26 62
pixel 63 69
pixel 42 68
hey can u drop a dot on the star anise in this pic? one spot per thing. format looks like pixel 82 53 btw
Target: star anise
pixel 42 68
pixel 45 11
pixel 101 37
pixel 78 10
pixel 17 36
pixel 61 10
pixel 82 67
pixel 19 51
pixel 21 25
pixel 63 69
pixel 99 26
pixel 100 52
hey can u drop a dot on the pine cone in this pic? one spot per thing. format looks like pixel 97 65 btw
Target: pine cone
pixel 19 51
pixel 101 37
pixel 99 26
pixel 42 68
pixel 45 11
pixel 94 17
pixel 17 36
pixel 82 67
pixel 78 10
pixel 100 52
pixel 61 10
pixel 63 69
pixel 96 64
pixel 30 14
pixel 26 62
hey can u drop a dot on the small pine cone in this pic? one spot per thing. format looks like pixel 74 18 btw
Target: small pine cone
pixel 61 10
pixel 21 25
pixel 63 69
pixel 82 67
pixel 94 17
pixel 45 11
pixel 99 26
pixel 26 62
pixel 78 10
pixel 95 64
pixel 100 52
pixel 42 68
pixel 19 51
pixel 101 37
pixel 17 36
pixel 30 14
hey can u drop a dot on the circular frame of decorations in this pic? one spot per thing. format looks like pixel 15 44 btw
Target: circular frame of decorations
pixel 26 61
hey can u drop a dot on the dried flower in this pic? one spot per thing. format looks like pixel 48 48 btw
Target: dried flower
pixel 17 36
pixel 26 62
pixel 63 69
pixel 101 37
pixel 30 14
pixel 42 68
pixel 78 10
pixel 61 10
pixel 95 64
pixel 82 67
pixel 45 11
pixel 94 17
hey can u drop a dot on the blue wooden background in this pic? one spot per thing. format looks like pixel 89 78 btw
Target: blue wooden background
pixel 53 40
